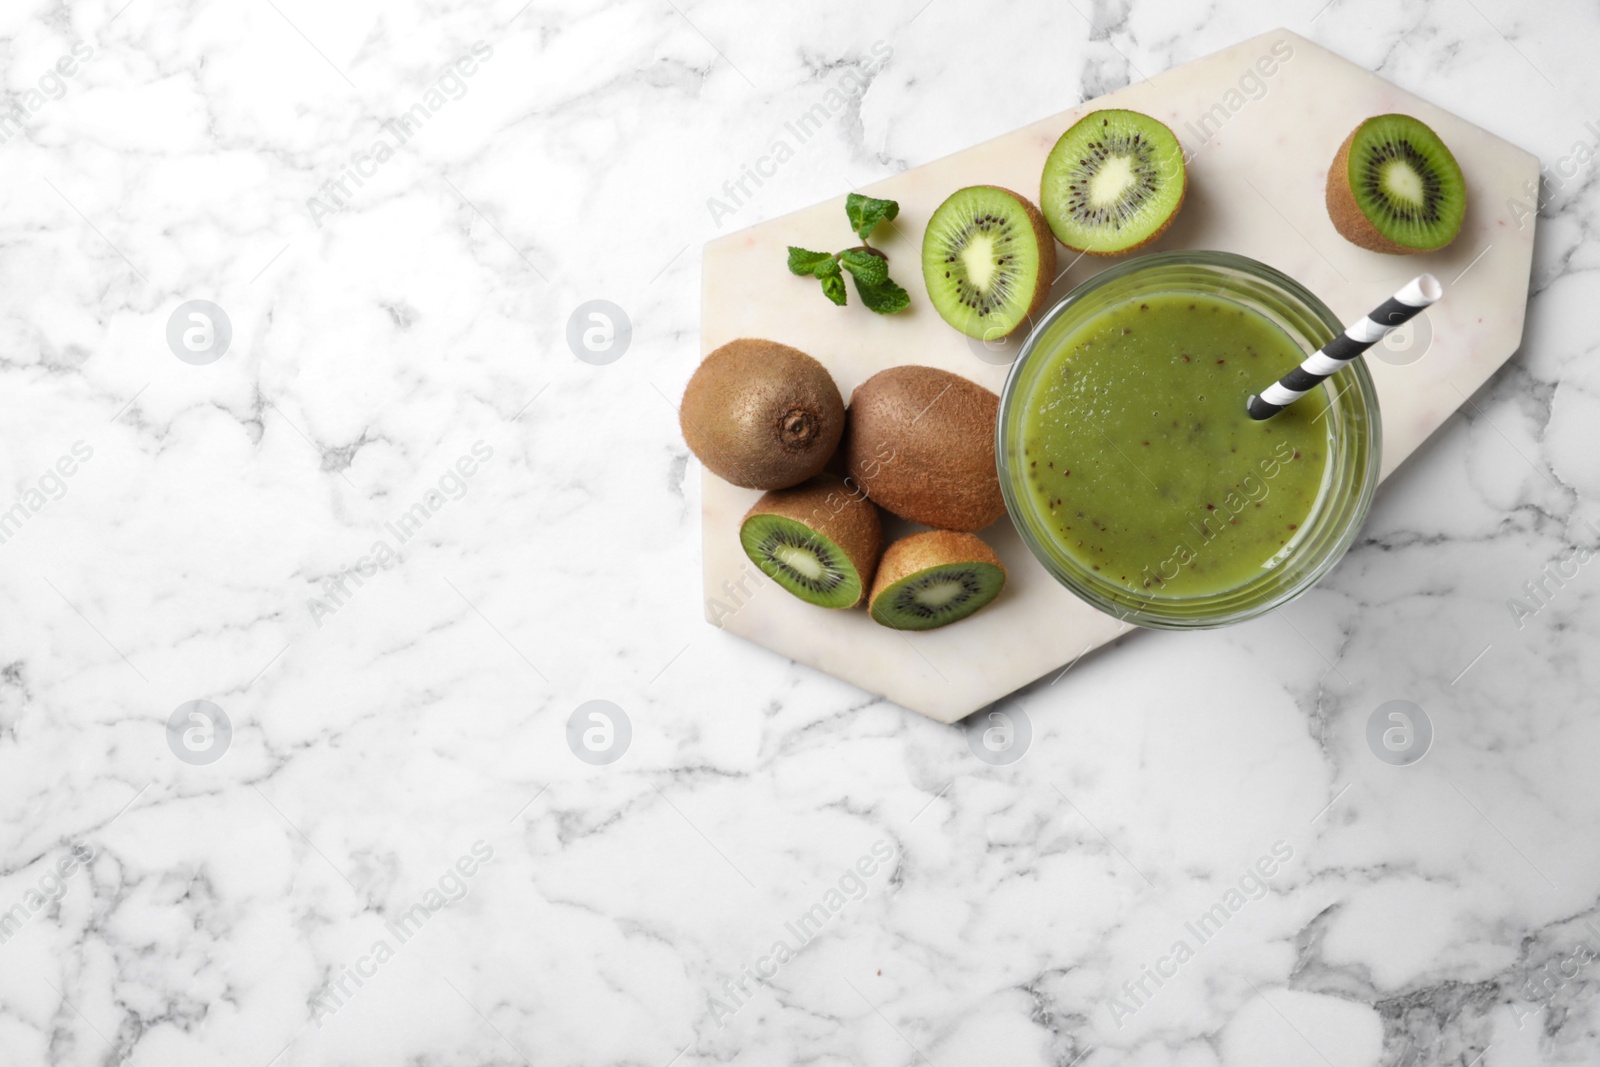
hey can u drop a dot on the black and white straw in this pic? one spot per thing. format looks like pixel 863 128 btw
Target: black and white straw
pixel 1418 293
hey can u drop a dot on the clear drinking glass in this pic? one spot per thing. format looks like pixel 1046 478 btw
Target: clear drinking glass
pixel 1353 428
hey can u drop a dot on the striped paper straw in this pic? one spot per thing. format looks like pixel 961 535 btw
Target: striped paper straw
pixel 1361 335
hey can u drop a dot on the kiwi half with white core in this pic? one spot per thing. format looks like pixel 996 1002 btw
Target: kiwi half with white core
pixel 819 540
pixel 1113 182
pixel 987 261
pixel 935 578
pixel 1394 187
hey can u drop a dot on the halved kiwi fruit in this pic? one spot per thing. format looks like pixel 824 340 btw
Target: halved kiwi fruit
pixel 934 578
pixel 1113 182
pixel 1394 187
pixel 987 260
pixel 761 415
pixel 820 540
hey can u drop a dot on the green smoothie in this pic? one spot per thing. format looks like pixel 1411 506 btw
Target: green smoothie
pixel 1139 453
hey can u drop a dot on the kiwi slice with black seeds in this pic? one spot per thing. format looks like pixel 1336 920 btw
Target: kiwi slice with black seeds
pixel 935 578
pixel 987 261
pixel 819 540
pixel 1113 182
pixel 1394 187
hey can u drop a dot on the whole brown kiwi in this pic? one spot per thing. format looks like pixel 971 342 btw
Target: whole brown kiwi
pixel 921 445
pixel 762 415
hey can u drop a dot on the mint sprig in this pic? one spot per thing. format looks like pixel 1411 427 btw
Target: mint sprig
pixel 865 213
pixel 832 280
pixel 802 262
pixel 868 266
pixel 885 297
pixel 865 265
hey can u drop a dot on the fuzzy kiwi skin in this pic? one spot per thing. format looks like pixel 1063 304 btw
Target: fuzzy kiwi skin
pixel 762 415
pixel 1347 216
pixel 931 548
pixel 837 511
pixel 921 444
pixel 1047 253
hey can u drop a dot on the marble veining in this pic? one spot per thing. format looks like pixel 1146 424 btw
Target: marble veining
pixel 494 793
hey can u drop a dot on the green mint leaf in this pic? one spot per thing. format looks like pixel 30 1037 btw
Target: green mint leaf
pixel 865 213
pixel 833 287
pixel 828 268
pixel 867 268
pixel 884 297
pixel 802 262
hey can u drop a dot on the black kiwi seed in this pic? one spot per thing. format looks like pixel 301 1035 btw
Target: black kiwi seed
pixel 905 598
pixel 835 530
pixel 935 578
pixel 993 219
pixel 1372 181
pixel 827 583
pixel 1395 187
pixel 1145 201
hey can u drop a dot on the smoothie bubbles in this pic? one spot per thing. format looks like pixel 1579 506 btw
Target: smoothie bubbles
pixel 1133 467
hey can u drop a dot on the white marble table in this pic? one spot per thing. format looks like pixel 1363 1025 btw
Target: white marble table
pixel 401 536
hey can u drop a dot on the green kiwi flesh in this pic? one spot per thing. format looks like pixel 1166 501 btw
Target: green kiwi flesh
pixel 801 560
pixel 937 596
pixel 933 579
pixel 987 260
pixel 1405 182
pixel 1113 182
pixel 819 540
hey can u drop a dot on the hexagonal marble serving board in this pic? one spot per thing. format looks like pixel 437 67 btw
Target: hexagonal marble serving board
pixel 1261 122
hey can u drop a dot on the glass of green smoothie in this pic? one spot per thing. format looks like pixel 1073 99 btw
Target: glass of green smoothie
pixel 1130 464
